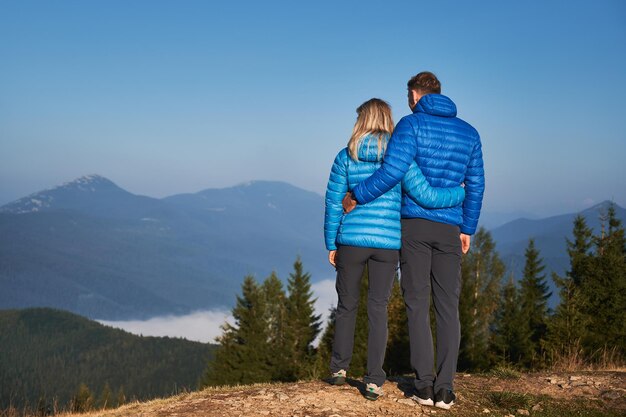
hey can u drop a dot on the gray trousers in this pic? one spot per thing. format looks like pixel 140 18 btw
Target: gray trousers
pixel 430 262
pixel 350 262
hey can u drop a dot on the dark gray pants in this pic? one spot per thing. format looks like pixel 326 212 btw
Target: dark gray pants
pixel 381 265
pixel 430 262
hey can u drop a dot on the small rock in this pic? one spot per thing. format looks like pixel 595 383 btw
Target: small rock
pixel 610 395
pixel 578 383
pixel 335 415
pixel 575 378
pixel 282 397
pixel 523 412
pixel 537 407
pixel 510 415
pixel 486 411
pixel 264 413
pixel 262 392
pixel 466 375
pixel 407 401
pixel 324 410
pixel 553 381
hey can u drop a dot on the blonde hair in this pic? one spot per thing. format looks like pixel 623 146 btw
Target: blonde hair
pixel 373 117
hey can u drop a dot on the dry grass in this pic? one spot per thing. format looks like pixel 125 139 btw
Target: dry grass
pixel 573 358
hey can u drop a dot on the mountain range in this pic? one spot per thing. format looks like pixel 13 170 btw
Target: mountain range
pixel 92 248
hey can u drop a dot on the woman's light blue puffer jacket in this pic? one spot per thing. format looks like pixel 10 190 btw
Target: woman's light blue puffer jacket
pixel 377 223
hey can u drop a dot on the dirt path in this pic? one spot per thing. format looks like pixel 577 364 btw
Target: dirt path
pixel 584 394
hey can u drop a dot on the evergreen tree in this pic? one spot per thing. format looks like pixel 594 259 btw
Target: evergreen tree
pixel 579 251
pixel 534 294
pixel 302 324
pixel 242 355
pixel 567 325
pixel 275 319
pixel 106 397
pixel 510 335
pixel 482 271
pixel 83 401
pixel 121 397
pixel 397 358
pixel 604 288
pixel 325 347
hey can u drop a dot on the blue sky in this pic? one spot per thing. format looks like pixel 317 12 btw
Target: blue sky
pixel 169 97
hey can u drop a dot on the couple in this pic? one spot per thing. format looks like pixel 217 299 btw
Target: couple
pixel 418 204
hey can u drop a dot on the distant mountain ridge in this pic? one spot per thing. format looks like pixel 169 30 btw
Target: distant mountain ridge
pixel 91 247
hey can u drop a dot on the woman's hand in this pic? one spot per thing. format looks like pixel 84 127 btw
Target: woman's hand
pixel 465 242
pixel 331 257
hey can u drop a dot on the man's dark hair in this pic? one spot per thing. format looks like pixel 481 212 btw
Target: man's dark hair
pixel 425 83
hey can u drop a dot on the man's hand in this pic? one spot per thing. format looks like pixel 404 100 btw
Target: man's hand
pixel 465 242
pixel 348 203
pixel 331 257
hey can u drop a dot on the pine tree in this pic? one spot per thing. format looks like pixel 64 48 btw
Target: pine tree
pixel 510 335
pixel 241 357
pixel 603 289
pixel 482 271
pixel 397 358
pixel 567 325
pixel 83 401
pixel 302 325
pixel 106 397
pixel 325 347
pixel 121 397
pixel 579 251
pixel 534 294
pixel 275 319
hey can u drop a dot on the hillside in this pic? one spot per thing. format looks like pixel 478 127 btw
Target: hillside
pixel 92 248
pixel 48 353
pixel 556 395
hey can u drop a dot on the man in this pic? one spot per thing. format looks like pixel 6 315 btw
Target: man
pixel 449 152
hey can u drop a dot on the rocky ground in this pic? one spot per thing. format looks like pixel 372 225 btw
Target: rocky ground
pixel 502 393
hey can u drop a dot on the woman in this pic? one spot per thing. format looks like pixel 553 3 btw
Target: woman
pixel 369 235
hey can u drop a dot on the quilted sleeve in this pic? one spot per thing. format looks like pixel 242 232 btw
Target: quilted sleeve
pixel 474 190
pixel 400 152
pixel 417 187
pixel 336 189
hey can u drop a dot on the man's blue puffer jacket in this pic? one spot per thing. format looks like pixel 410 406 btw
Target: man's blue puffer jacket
pixel 377 223
pixel 449 153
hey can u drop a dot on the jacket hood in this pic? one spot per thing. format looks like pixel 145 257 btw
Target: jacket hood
pixel 368 148
pixel 437 105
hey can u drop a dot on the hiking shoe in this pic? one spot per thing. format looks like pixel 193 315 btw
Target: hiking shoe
pixel 338 378
pixel 373 391
pixel 424 396
pixel 444 398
